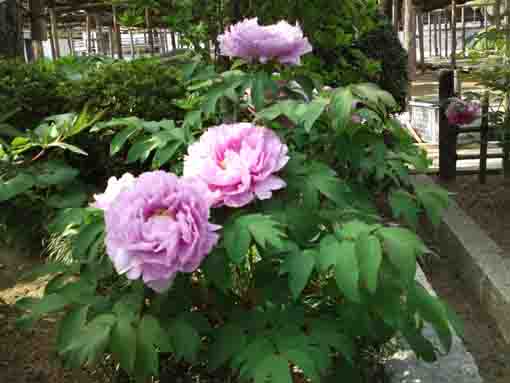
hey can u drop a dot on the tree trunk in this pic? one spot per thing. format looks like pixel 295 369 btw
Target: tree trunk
pixel 132 43
pixel 11 31
pixel 385 6
pixel 37 28
pixel 410 37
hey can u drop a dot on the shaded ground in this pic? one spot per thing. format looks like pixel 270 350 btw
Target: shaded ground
pixel 28 356
pixel 488 205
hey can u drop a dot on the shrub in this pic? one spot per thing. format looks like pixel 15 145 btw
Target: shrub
pixel 393 75
pixel 32 90
pixel 143 88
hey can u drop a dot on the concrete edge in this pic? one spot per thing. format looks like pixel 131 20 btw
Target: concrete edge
pixel 479 259
pixel 455 367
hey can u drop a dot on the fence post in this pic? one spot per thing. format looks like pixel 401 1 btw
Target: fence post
pixel 447 133
pixel 463 17
pixel 484 138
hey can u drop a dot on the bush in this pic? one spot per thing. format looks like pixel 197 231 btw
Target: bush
pixel 142 88
pixel 32 89
pixel 392 76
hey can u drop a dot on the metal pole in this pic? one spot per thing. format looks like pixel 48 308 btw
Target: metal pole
pixel 440 16
pixel 453 61
pixel 463 17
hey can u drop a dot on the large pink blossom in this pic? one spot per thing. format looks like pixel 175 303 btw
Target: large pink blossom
pixel 113 189
pixel 158 228
pixel 461 112
pixel 238 162
pixel 249 40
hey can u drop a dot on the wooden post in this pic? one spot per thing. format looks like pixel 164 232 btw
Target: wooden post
pixel 440 16
pixel 89 33
pixel 463 20
pixel 421 38
pixel 410 37
pixel 395 15
pixel 116 32
pixel 446 37
pixel 484 138
pixel 174 42
pixel 429 27
pixel 148 24
pixel 54 32
pixel 436 52
pixel 37 28
pixel 111 37
pixel 70 40
pixel 453 59
pixel 447 133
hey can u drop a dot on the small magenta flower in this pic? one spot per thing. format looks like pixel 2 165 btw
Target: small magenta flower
pixel 249 40
pixel 461 112
pixel 238 163
pixel 113 188
pixel 158 228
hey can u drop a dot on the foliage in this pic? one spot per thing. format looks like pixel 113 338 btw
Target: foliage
pixel 392 74
pixel 31 90
pixel 311 278
pixel 145 88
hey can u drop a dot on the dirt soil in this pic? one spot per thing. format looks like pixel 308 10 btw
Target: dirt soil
pixel 481 336
pixel 488 205
pixel 28 356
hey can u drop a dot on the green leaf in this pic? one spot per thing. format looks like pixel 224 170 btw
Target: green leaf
pixel 47 304
pixel 402 247
pixel 165 154
pixel 185 340
pixel 347 271
pixel 121 137
pixel 123 342
pixel 432 310
pixel 369 253
pixel 300 267
pixel 66 146
pixel 90 344
pixel 263 229
pixel 313 111
pixel 15 186
pixel 217 271
pixel 328 253
pixel 275 368
pixel 258 89
pixel 71 325
pixel 55 173
pixel 341 108
pixel 47 268
pixel 237 241
pixel 148 337
pixel 86 237
pixel 325 180
pixel 353 229
pixel 230 341
pixel 434 200
pixel 403 204
pixel 141 150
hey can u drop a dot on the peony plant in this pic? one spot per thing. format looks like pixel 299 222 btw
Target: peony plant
pixel 267 260
pixel 460 112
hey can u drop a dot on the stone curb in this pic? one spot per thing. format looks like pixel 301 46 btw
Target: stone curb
pixel 480 262
pixel 458 366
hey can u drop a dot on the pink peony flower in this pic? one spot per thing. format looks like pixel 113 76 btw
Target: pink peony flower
pixel 238 163
pixel 251 41
pixel 159 227
pixel 461 112
pixel 114 187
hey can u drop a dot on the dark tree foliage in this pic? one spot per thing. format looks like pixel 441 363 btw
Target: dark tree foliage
pixel 382 44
